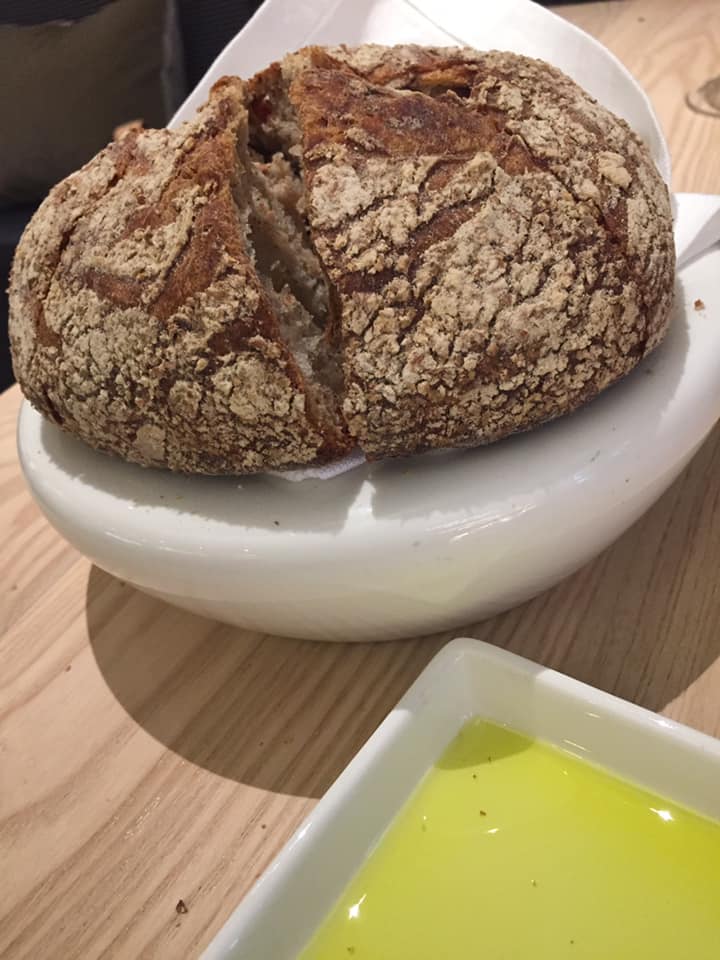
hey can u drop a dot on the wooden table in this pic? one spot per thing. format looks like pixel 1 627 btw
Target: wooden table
pixel 148 756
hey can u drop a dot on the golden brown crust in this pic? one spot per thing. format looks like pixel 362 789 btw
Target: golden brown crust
pixel 500 244
pixel 138 321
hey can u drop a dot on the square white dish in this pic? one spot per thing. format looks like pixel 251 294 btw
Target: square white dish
pixel 467 678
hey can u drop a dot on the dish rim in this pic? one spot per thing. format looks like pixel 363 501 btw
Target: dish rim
pixel 450 669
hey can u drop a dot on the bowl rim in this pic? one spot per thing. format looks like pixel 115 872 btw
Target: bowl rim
pixel 591 461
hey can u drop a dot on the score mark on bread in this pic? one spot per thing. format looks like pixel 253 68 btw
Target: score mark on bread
pixel 401 248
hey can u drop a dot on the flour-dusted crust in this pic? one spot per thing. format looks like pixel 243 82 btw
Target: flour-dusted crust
pixel 138 320
pixel 476 243
pixel 500 244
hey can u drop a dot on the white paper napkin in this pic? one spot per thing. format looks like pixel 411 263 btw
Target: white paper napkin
pixel 519 25
pixel 697 225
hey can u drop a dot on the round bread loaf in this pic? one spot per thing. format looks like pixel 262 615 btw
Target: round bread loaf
pixel 402 248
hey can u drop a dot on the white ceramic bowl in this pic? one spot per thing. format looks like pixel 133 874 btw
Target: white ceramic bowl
pixel 405 547
pixel 467 678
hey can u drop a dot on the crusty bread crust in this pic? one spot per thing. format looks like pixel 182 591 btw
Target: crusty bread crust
pixel 498 249
pixel 138 321
pixel 501 245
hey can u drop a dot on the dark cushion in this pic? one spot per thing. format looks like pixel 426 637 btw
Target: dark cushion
pixel 67 85
pixel 207 27
pixel 43 11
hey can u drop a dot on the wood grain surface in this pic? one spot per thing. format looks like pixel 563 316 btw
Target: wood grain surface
pixel 149 756
pixel 673 48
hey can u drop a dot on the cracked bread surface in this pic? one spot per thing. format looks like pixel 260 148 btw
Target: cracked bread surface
pixel 500 245
pixel 139 322
pixel 409 248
